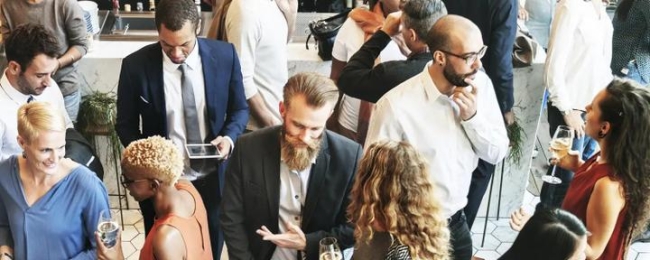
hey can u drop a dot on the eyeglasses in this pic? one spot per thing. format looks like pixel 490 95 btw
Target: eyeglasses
pixel 471 57
pixel 126 182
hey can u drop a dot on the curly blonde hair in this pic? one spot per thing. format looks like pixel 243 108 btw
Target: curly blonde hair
pixel 392 189
pixel 154 158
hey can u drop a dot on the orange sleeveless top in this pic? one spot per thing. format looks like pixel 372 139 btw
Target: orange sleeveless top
pixel 194 229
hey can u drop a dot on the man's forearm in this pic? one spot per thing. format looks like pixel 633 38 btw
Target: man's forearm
pixel 260 112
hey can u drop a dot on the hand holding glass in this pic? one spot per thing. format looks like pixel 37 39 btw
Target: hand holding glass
pixel 329 249
pixel 560 145
pixel 107 228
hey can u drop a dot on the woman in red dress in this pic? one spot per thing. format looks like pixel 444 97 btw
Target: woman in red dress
pixel 609 192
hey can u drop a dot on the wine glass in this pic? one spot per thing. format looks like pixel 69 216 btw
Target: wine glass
pixel 560 145
pixel 329 249
pixel 107 228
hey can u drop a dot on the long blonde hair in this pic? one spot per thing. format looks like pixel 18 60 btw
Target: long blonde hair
pixel 392 190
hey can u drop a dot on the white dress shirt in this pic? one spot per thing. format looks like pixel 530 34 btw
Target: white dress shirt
pixel 174 103
pixel 10 101
pixel 416 112
pixel 348 41
pixel 579 53
pixel 258 30
pixel 293 191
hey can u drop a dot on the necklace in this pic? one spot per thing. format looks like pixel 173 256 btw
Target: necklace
pixel 5 91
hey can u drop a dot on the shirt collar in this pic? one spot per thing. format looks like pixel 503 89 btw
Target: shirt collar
pixel 193 59
pixel 12 92
pixel 431 92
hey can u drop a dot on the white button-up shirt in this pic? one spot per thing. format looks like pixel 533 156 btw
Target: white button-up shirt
pixel 293 191
pixel 10 101
pixel 579 53
pixel 416 112
pixel 174 103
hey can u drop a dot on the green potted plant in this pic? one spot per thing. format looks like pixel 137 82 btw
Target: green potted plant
pixel 97 114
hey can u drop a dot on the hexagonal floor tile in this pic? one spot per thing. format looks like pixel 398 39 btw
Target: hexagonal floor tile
pixel 641 247
pixel 134 256
pixel 479 223
pixel 138 241
pixel 128 249
pixel 505 234
pixel 491 243
pixel 129 233
pixel 487 254
pixel 503 247
pixel 643 256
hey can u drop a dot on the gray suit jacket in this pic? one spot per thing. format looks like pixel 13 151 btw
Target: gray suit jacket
pixel 252 194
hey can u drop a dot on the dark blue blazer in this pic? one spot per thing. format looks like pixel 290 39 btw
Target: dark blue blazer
pixel 141 95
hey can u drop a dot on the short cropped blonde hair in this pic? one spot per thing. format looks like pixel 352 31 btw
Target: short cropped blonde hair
pixel 154 158
pixel 37 117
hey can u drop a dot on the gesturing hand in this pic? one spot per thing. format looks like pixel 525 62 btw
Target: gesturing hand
pixel 466 100
pixel 518 219
pixel 223 145
pixel 294 238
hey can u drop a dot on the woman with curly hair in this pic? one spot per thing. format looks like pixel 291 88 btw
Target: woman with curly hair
pixel 609 192
pixel 393 207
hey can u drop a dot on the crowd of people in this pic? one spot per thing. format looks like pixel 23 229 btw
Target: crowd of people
pixel 390 155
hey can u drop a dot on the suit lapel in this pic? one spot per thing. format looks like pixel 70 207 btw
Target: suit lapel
pixel 210 69
pixel 155 85
pixel 316 182
pixel 271 173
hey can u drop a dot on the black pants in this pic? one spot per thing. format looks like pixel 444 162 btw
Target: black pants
pixel 480 180
pixel 461 238
pixel 209 188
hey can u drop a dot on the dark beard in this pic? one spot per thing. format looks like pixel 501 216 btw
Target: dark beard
pixel 298 158
pixel 457 80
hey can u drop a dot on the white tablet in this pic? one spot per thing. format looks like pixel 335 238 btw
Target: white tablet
pixel 202 151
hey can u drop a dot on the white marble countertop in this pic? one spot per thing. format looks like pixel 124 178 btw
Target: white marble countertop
pixel 120 49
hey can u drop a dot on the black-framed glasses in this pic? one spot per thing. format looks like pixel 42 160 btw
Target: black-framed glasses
pixel 126 182
pixel 469 58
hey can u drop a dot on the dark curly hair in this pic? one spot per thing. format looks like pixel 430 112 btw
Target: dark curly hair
pixel 28 41
pixel 627 108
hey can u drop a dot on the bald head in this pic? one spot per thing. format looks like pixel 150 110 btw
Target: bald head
pixel 451 30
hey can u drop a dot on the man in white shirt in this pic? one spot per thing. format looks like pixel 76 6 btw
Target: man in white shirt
pixel 32 53
pixel 288 186
pixel 450 113
pixel 576 69
pixel 259 31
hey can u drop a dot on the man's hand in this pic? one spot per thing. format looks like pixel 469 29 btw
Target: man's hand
pixel 509 117
pixel 574 120
pixel 223 144
pixel 392 24
pixel 113 253
pixel 294 238
pixel 518 219
pixel 522 14
pixel 466 100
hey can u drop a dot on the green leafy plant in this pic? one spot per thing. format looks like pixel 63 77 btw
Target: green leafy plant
pixel 516 135
pixel 97 116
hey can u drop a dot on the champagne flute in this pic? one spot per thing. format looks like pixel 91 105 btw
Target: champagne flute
pixel 107 227
pixel 329 249
pixel 560 145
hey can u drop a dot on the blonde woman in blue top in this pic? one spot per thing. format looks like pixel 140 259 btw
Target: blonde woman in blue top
pixel 49 205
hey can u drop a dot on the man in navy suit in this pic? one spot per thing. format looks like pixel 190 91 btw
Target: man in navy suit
pixel 153 99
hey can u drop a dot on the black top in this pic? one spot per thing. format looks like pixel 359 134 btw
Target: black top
pixel 361 80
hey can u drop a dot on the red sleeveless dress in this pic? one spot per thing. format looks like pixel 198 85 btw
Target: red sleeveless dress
pixel 577 199
pixel 193 229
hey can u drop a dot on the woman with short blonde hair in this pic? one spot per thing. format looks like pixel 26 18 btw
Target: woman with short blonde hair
pixel 51 205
